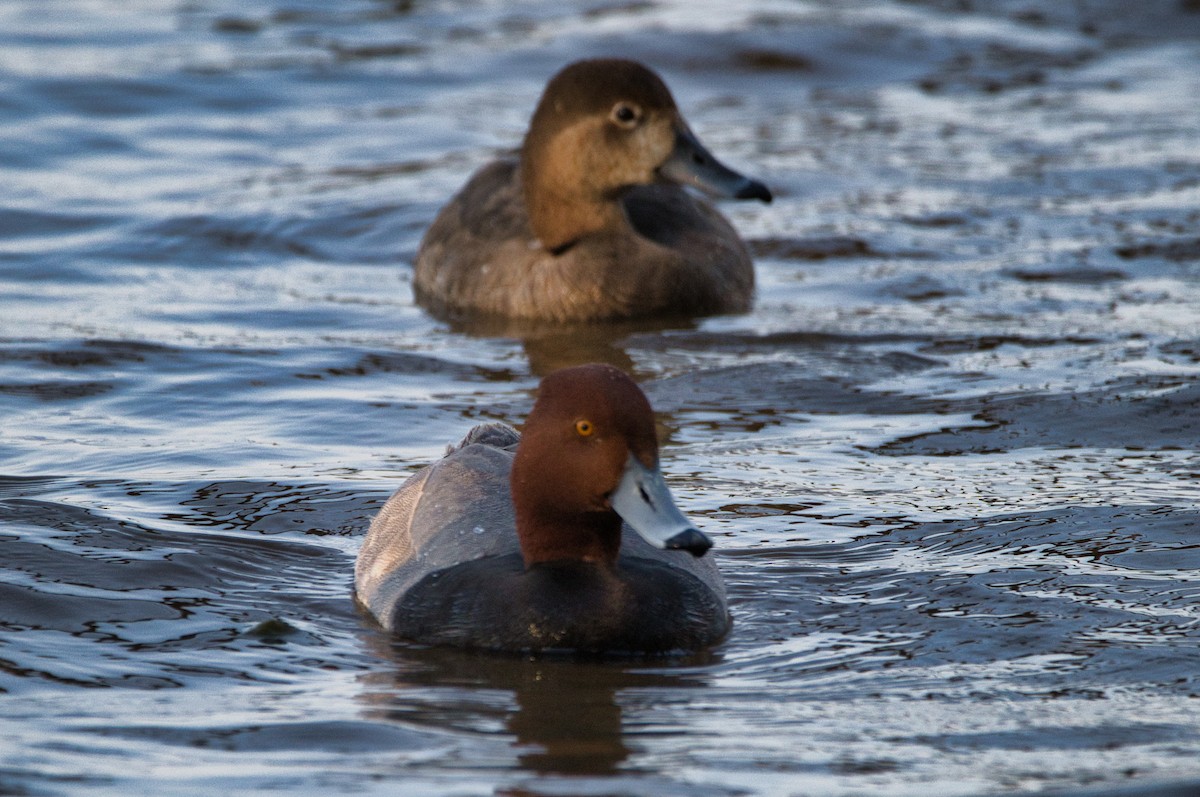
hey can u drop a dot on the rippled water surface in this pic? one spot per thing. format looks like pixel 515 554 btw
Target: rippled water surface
pixel 950 459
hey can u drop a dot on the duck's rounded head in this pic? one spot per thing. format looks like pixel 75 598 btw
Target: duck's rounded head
pixel 601 127
pixel 587 459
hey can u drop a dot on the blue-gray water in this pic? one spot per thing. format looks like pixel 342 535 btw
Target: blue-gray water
pixel 950 459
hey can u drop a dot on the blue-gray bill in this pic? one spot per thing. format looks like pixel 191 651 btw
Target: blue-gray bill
pixel 692 164
pixel 644 501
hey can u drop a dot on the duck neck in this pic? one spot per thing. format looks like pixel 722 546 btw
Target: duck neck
pixel 579 536
pixel 561 218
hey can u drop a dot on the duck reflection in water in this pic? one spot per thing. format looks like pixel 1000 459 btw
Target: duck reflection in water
pixel 561 716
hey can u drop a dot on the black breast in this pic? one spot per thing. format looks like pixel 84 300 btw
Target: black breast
pixel 639 607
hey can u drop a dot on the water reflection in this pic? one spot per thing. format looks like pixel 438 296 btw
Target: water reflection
pixel 562 716
pixel 549 348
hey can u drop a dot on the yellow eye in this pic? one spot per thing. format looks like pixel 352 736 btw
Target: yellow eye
pixel 584 428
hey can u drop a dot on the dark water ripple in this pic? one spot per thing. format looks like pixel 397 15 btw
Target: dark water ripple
pixel 1072 585
pixel 950 458
pixel 152 601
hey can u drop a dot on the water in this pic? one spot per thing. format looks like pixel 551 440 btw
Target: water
pixel 949 460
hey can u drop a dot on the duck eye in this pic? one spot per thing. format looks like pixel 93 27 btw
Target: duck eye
pixel 584 428
pixel 625 114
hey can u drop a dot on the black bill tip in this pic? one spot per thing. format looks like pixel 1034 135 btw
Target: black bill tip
pixel 753 189
pixel 689 540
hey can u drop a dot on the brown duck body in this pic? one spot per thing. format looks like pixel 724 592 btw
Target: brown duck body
pixel 677 256
pixel 591 222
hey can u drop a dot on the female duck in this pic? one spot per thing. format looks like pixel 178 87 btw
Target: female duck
pixel 591 222
pixel 455 558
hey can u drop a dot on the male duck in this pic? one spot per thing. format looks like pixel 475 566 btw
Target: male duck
pixel 591 221
pixel 456 557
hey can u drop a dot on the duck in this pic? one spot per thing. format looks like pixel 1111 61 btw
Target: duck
pixel 563 538
pixel 592 220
